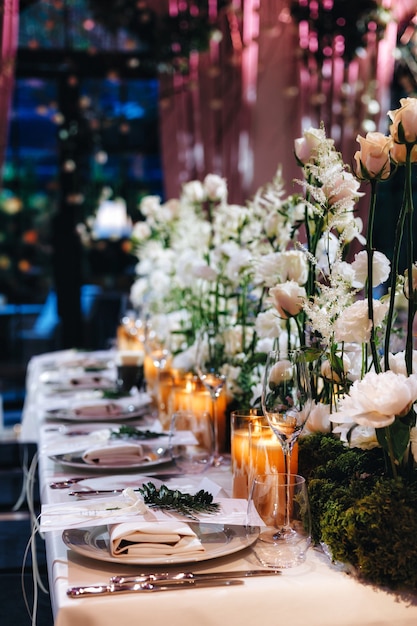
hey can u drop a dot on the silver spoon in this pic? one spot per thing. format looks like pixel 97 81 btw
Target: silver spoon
pixel 64 484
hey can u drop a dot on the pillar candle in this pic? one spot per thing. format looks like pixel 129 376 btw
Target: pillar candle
pixel 191 395
pixel 239 443
pixel 265 453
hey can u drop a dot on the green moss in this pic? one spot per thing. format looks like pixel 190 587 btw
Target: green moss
pixel 366 519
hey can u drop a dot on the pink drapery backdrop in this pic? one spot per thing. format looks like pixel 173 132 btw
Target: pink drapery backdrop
pixel 247 98
pixel 250 96
pixel 9 35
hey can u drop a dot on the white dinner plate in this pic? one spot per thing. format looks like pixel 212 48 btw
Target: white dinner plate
pixel 107 411
pixel 218 540
pixel 56 383
pixel 75 459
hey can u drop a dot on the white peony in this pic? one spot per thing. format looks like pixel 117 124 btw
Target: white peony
pixel 380 268
pixel 353 324
pixel 377 399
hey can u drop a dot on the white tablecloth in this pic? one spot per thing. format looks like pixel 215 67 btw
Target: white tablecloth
pixel 314 594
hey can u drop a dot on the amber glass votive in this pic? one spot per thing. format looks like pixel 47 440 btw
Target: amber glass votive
pixel 239 444
pixel 265 452
pixel 190 395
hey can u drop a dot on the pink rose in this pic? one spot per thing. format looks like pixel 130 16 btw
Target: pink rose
pixel 372 160
pixel 399 153
pixel 342 188
pixel 288 298
pixel 306 147
pixel 404 121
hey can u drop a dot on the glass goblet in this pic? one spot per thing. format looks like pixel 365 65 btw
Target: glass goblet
pixel 191 441
pixel 209 364
pixel 286 403
pixel 276 500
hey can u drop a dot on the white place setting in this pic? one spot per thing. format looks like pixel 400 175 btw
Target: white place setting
pixel 102 556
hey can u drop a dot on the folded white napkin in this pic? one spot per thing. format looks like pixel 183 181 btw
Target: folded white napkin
pixel 156 539
pixel 100 410
pixel 118 454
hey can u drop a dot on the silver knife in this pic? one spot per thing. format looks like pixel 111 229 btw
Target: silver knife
pixel 147 586
pixel 187 576
pixel 97 492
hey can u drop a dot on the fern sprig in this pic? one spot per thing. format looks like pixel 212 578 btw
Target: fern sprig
pixel 174 500
pixel 135 433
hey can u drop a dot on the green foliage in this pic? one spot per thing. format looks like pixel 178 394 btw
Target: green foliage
pixel 173 500
pixel 366 519
pixel 131 432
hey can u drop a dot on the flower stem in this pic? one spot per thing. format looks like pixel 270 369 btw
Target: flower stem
pixel 410 211
pixel 394 273
pixel 370 252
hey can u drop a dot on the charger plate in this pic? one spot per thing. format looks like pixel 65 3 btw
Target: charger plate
pixel 74 459
pixel 101 411
pixel 218 540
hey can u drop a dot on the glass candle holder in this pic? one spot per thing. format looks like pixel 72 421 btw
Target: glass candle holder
pixel 189 394
pixel 239 444
pixel 265 452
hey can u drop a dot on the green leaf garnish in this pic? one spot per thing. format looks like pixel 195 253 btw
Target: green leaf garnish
pixel 135 433
pixel 110 394
pixel 173 500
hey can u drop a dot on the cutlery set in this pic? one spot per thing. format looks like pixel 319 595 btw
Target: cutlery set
pixel 165 581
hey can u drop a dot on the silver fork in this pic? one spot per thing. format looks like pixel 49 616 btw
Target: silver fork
pixel 65 484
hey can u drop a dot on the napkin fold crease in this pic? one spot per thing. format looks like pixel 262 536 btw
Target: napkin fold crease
pixel 153 539
pixel 118 454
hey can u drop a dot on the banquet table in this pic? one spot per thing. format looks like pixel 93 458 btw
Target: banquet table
pixel 317 593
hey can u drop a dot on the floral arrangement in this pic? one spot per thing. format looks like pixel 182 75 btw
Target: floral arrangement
pixel 277 271
pixel 206 262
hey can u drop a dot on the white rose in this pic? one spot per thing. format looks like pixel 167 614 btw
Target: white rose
pixel 288 298
pixel 318 420
pixel 363 437
pixel 294 266
pixel 377 399
pixel 397 363
pixel 215 187
pixel 141 231
pixel 306 147
pixel 328 372
pixel 268 324
pixel 194 191
pixel 204 271
pixel 353 324
pixel 268 269
pixel 380 268
pixel 237 263
pixel 344 271
pixel 150 205
pixel 280 372
pixel 353 229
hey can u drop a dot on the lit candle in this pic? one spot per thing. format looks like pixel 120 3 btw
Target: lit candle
pixel 191 395
pixel 265 453
pixel 152 371
pixel 239 442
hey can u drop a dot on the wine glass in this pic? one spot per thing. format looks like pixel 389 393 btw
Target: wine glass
pixel 191 441
pixel 286 403
pixel 210 358
pixel 157 348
